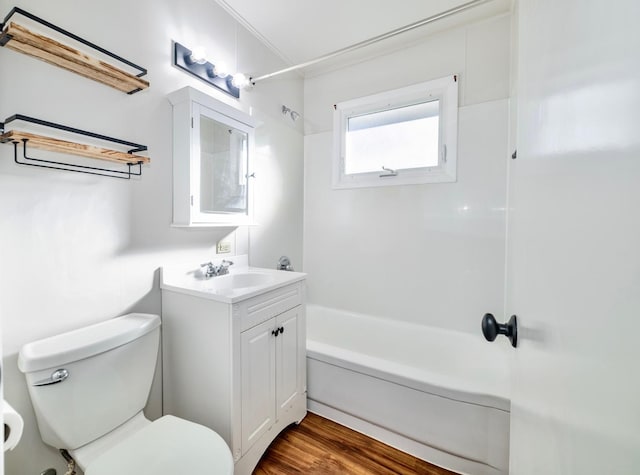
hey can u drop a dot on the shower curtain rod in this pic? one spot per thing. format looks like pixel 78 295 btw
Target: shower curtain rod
pixel 375 39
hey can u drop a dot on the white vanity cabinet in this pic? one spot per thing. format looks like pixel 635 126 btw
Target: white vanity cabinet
pixel 269 356
pixel 237 367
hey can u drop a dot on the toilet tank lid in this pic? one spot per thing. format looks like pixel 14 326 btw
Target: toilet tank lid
pixel 85 342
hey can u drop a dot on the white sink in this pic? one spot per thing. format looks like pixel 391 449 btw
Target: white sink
pixel 240 280
pixel 241 283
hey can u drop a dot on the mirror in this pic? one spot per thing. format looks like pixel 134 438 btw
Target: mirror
pixel 223 167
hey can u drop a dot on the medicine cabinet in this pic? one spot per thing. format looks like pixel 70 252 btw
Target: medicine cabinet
pixel 213 146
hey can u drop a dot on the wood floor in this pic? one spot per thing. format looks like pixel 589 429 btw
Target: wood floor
pixel 320 446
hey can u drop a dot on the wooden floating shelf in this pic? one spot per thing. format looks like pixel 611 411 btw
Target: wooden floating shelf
pixel 58 54
pixel 23 40
pixel 73 148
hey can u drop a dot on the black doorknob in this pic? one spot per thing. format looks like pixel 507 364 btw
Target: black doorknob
pixel 491 329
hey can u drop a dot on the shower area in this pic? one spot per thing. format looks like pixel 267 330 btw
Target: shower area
pixel 400 276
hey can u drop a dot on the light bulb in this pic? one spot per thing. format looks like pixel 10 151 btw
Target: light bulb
pixel 240 80
pixel 198 55
pixel 220 69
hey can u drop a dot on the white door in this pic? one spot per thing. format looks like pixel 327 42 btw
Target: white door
pixel 287 360
pixel 258 382
pixel 574 239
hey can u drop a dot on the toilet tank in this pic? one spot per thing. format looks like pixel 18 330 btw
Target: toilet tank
pixel 110 369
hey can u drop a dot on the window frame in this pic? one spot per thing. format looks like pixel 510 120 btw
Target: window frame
pixel 444 90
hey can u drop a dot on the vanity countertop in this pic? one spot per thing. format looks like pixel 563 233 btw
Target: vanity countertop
pixel 242 282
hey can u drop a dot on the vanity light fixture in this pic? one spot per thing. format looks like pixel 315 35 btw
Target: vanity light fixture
pixel 217 75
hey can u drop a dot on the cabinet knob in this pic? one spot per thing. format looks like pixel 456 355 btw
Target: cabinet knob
pixel 275 332
pixel 281 329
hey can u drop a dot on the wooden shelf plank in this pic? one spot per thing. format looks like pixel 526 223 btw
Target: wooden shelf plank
pixel 73 148
pixel 58 54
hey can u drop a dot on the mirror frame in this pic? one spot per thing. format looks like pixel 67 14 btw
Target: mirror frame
pixel 186 103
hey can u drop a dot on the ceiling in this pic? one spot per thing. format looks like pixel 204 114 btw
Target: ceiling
pixel 302 30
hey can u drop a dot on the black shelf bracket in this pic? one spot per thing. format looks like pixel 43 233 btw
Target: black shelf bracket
pixel 134 168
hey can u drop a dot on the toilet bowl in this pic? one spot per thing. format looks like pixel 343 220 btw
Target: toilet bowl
pixel 88 388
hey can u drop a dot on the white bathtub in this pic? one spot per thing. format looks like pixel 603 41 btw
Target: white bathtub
pixel 439 395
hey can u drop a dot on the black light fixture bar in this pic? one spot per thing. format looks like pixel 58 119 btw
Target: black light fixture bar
pixel 204 72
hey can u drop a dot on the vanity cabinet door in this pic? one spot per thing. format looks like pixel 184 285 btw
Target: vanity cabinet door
pixel 258 381
pixel 287 360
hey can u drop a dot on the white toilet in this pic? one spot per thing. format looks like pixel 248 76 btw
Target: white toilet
pixel 88 388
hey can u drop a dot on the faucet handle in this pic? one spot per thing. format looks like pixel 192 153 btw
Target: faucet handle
pixel 223 268
pixel 208 269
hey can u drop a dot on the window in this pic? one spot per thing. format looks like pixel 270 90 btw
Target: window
pixel 401 137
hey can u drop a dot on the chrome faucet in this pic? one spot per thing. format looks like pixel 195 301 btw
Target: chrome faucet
pixel 212 270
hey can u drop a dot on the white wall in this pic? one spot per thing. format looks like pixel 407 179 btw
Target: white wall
pixel 76 249
pixel 431 254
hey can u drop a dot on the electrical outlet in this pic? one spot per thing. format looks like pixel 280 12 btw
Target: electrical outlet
pixel 223 247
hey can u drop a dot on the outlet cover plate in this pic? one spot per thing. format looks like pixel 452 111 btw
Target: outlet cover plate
pixel 223 247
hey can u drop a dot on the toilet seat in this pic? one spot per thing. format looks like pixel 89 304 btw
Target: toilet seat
pixel 167 446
